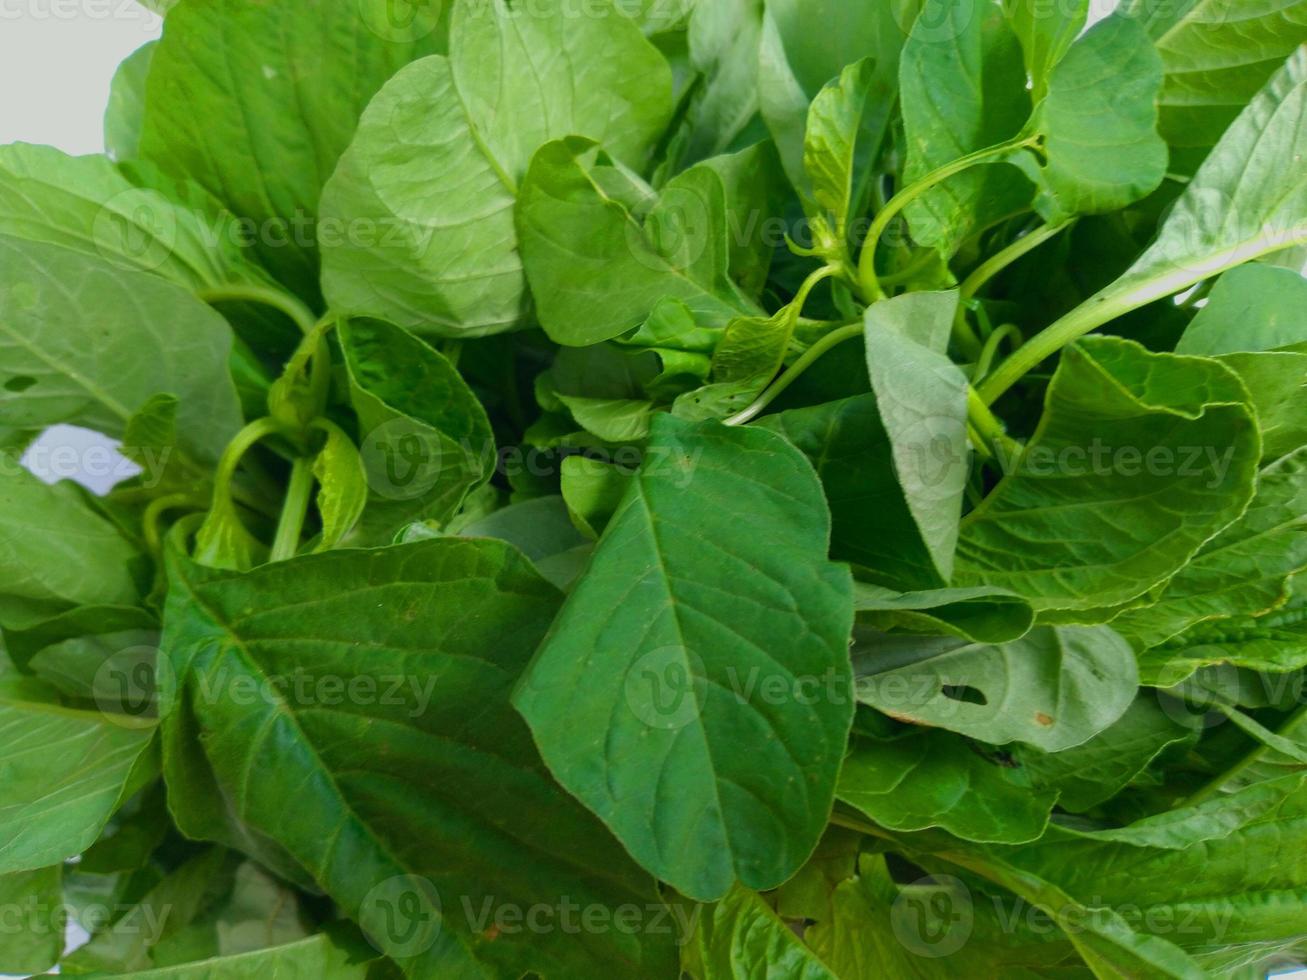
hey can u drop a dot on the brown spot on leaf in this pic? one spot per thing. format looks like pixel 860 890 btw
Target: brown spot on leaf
pixel 1043 719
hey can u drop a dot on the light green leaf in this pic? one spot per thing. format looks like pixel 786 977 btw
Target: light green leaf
pixel 543 531
pixel 1277 384
pixel 718 655
pixel 1045 32
pixel 1138 461
pixel 1243 571
pixel 126 109
pixel 314 958
pixel 935 779
pixel 256 102
pixel 72 332
pixel 978 614
pixel 1218 54
pixel 922 399
pixel 516 78
pixel 424 438
pixel 1088 774
pixel 963 89
pixel 56 552
pixel 66 771
pixel 741 932
pixel 1099 124
pixel 597 270
pixel 593 491
pixel 1252 308
pixel 417 783
pixel 846 124
pixel 343 486
pixel 34 936
pixel 723 39
pixel 1054 688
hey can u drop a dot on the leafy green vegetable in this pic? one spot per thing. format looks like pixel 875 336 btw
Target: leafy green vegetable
pixel 628 489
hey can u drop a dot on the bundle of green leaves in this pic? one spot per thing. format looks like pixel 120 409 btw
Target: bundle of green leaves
pixel 811 488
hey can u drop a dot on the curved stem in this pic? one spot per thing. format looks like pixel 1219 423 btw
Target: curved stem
pixel 293 511
pixel 990 349
pixel 989 428
pixel 265 295
pixel 156 510
pixel 240 444
pixel 871 287
pixel 913 267
pixel 1000 260
pixel 809 357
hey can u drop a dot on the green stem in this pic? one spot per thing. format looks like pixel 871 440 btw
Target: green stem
pixel 240 444
pixel 265 295
pixel 293 511
pixel 911 269
pixel 989 428
pixel 871 287
pixel 1000 260
pixel 157 508
pixel 990 350
pixel 1296 721
pixel 809 357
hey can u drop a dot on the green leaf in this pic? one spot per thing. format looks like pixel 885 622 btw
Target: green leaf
pixel 542 530
pixel 963 89
pixel 734 936
pixel 714 570
pixel 593 491
pixel 1243 571
pixel 56 552
pixel 1251 308
pixel 597 270
pixel 1088 774
pixel 516 78
pixel 256 102
pixel 126 110
pixel 1054 688
pixel 72 332
pixel 922 399
pixel 343 487
pixel 308 959
pixel 1218 54
pixel 1045 34
pixel 1099 124
pixel 424 438
pixel 846 124
pixel 979 614
pixel 33 930
pixel 1138 461
pixel 431 794
pixel 66 771
pixel 936 779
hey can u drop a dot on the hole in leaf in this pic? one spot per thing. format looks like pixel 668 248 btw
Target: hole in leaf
pixel 20 383
pixel 963 692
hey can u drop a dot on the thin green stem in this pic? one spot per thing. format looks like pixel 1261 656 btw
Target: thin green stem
pixel 809 357
pixel 990 350
pixel 293 511
pixel 911 269
pixel 240 444
pixel 155 511
pixel 1000 260
pixel 988 427
pixel 265 295
pixel 871 287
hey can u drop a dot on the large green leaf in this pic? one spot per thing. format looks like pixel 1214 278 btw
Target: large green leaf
pixel 1054 688
pixel 936 779
pixel 424 437
pixel 55 552
pixel 1243 571
pixel 516 78
pixel 257 101
pixel 1099 124
pixel 87 342
pixel 1138 461
pixel 733 631
pixel 922 399
pixel 381 682
pixel 597 269
pixel 66 771
pixel 963 89
pixel 1252 308
pixel 1218 54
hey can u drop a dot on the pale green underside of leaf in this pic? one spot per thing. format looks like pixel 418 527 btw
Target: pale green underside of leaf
pixel 443 785
pixel 73 328
pixel 126 110
pixel 1054 688
pixel 65 774
pixel 1252 308
pixel 709 589
pixel 1076 532
pixel 515 79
